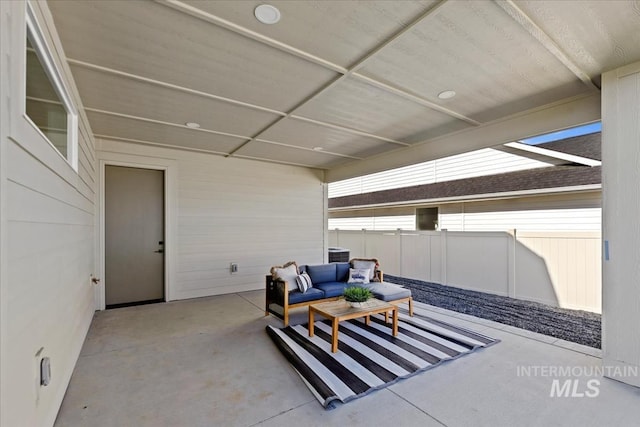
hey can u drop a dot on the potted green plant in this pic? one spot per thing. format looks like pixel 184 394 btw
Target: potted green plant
pixel 356 295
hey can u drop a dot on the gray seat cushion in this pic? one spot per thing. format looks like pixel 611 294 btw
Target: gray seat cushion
pixel 387 291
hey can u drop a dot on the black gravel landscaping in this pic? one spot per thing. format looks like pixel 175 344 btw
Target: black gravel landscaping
pixel 577 326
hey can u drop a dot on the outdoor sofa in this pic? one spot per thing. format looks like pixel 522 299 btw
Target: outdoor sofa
pixel 327 283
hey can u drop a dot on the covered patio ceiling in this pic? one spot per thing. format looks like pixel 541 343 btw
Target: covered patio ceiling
pixel 349 87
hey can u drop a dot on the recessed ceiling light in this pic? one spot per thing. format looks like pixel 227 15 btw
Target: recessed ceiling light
pixel 318 148
pixel 192 125
pixel 267 14
pixel 447 94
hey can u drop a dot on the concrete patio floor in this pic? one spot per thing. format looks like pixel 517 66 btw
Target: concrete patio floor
pixel 209 362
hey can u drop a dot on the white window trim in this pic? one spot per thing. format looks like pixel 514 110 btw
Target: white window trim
pixel 44 54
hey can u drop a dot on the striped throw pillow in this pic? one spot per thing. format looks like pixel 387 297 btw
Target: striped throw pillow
pixel 304 282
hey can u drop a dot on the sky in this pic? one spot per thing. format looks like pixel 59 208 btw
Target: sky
pixel 567 133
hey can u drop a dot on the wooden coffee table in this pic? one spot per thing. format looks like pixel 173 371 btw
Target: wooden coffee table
pixel 340 310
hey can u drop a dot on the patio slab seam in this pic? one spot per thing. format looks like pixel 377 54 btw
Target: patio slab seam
pixel 312 401
pixel 390 389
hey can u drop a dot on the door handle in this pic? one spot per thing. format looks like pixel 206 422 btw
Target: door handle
pixel 159 251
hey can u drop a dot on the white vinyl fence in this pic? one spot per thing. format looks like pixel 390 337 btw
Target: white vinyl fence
pixel 562 269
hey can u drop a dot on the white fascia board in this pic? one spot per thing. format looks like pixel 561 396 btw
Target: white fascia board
pixel 477 197
pixel 553 154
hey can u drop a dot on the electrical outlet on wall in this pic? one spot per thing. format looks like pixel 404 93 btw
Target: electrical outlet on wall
pixel 234 267
pixel 42 373
pixel 45 371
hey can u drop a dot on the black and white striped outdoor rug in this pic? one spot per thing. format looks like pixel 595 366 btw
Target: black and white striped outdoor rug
pixel 369 357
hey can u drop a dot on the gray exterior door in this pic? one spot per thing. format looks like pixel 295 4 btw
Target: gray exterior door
pixel 134 236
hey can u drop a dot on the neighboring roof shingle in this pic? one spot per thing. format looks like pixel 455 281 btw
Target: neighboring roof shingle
pixel 589 146
pixel 531 179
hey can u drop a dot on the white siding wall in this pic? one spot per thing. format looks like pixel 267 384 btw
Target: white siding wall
pixel 566 212
pixel 47 233
pixel 233 210
pixel 481 163
pixel 531 220
pixel 475 163
pixel 405 222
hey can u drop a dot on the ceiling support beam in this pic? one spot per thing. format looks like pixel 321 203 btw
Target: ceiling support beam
pixel 157 144
pixel 351 130
pixel 238 29
pixel 545 40
pixel 344 72
pixel 162 122
pixel 236 102
pixel 360 63
pixel 560 115
pixel 436 147
pixel 161 83
pixel 415 98
pixel 230 135
pixel 346 156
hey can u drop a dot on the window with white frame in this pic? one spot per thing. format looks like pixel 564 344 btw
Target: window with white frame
pixel 47 101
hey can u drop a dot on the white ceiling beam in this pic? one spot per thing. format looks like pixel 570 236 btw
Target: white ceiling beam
pixel 415 98
pixel 366 57
pixel 556 116
pixel 223 99
pixel 196 150
pixel 164 84
pixel 281 144
pixel 545 40
pixel 221 22
pixel 345 72
pixel 394 37
pixel 158 144
pixel 162 122
pixel 279 162
pixel 231 135
pixel 394 89
pixel 350 130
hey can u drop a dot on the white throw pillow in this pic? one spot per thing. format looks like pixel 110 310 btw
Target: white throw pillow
pixel 304 282
pixel 362 264
pixel 287 273
pixel 359 275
